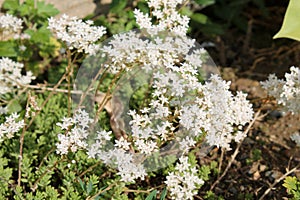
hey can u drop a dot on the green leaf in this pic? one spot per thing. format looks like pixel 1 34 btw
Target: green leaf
pixel 11 4
pixel 8 49
pixel 14 106
pixel 27 8
pixel 186 11
pixel 199 17
pixel 41 35
pixel 205 2
pixel 142 6
pixel 46 10
pixel 117 5
pixel 89 187
pixel 152 195
pixel 291 23
pixel 81 184
pixel 163 194
pixel 290 183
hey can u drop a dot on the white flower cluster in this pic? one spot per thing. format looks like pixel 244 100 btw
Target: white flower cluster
pixel 166 15
pixel 128 49
pixel 11 75
pixel 10 26
pixel 215 112
pixel 10 126
pixel 181 107
pixel 117 157
pixel 76 33
pixel 76 132
pixel 223 114
pixel 286 92
pixel 184 182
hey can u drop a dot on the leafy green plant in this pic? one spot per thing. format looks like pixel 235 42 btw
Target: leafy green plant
pixel 52 154
pixel 292 184
pixel 119 18
pixel 40 49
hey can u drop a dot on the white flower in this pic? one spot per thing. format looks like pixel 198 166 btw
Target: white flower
pixel 146 147
pixel 183 183
pixel 10 26
pixel 286 92
pixel 77 34
pixel 186 143
pixel 11 77
pixel 124 162
pixel 76 133
pixel 166 15
pixel 10 126
pixel 122 143
pixel 22 47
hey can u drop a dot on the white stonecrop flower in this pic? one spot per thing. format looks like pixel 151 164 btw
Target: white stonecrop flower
pixel 286 92
pixel 181 108
pixel 122 143
pixel 201 109
pixel 117 157
pixel 10 126
pixel 77 34
pixel 166 15
pixel 131 48
pixel 11 76
pixel 76 133
pixel 224 112
pixel 10 26
pixel 184 182
pixel 97 149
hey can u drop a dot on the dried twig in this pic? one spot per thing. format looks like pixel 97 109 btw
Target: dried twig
pixel 21 145
pixel 278 180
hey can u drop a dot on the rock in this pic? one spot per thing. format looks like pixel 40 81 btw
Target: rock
pixel 79 8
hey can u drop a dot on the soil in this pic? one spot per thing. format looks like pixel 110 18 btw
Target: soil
pixel 268 152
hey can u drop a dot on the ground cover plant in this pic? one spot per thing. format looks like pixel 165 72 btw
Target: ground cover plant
pixel 100 110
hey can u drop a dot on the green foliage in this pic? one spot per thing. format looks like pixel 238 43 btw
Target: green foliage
pixel 35 11
pixel 46 175
pixel 292 184
pixel 255 155
pixel 8 49
pixel 224 14
pixel 163 194
pixel 199 19
pixel 206 170
pixel 291 24
pixel 5 174
pixel 120 18
pixel 210 195
pixel 117 5
pixel 40 46
pixel 205 2
pixel 152 195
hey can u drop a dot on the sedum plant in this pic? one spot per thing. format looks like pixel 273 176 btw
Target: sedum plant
pixel 96 135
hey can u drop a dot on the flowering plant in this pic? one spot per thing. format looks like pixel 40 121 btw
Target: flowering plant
pixel 142 107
